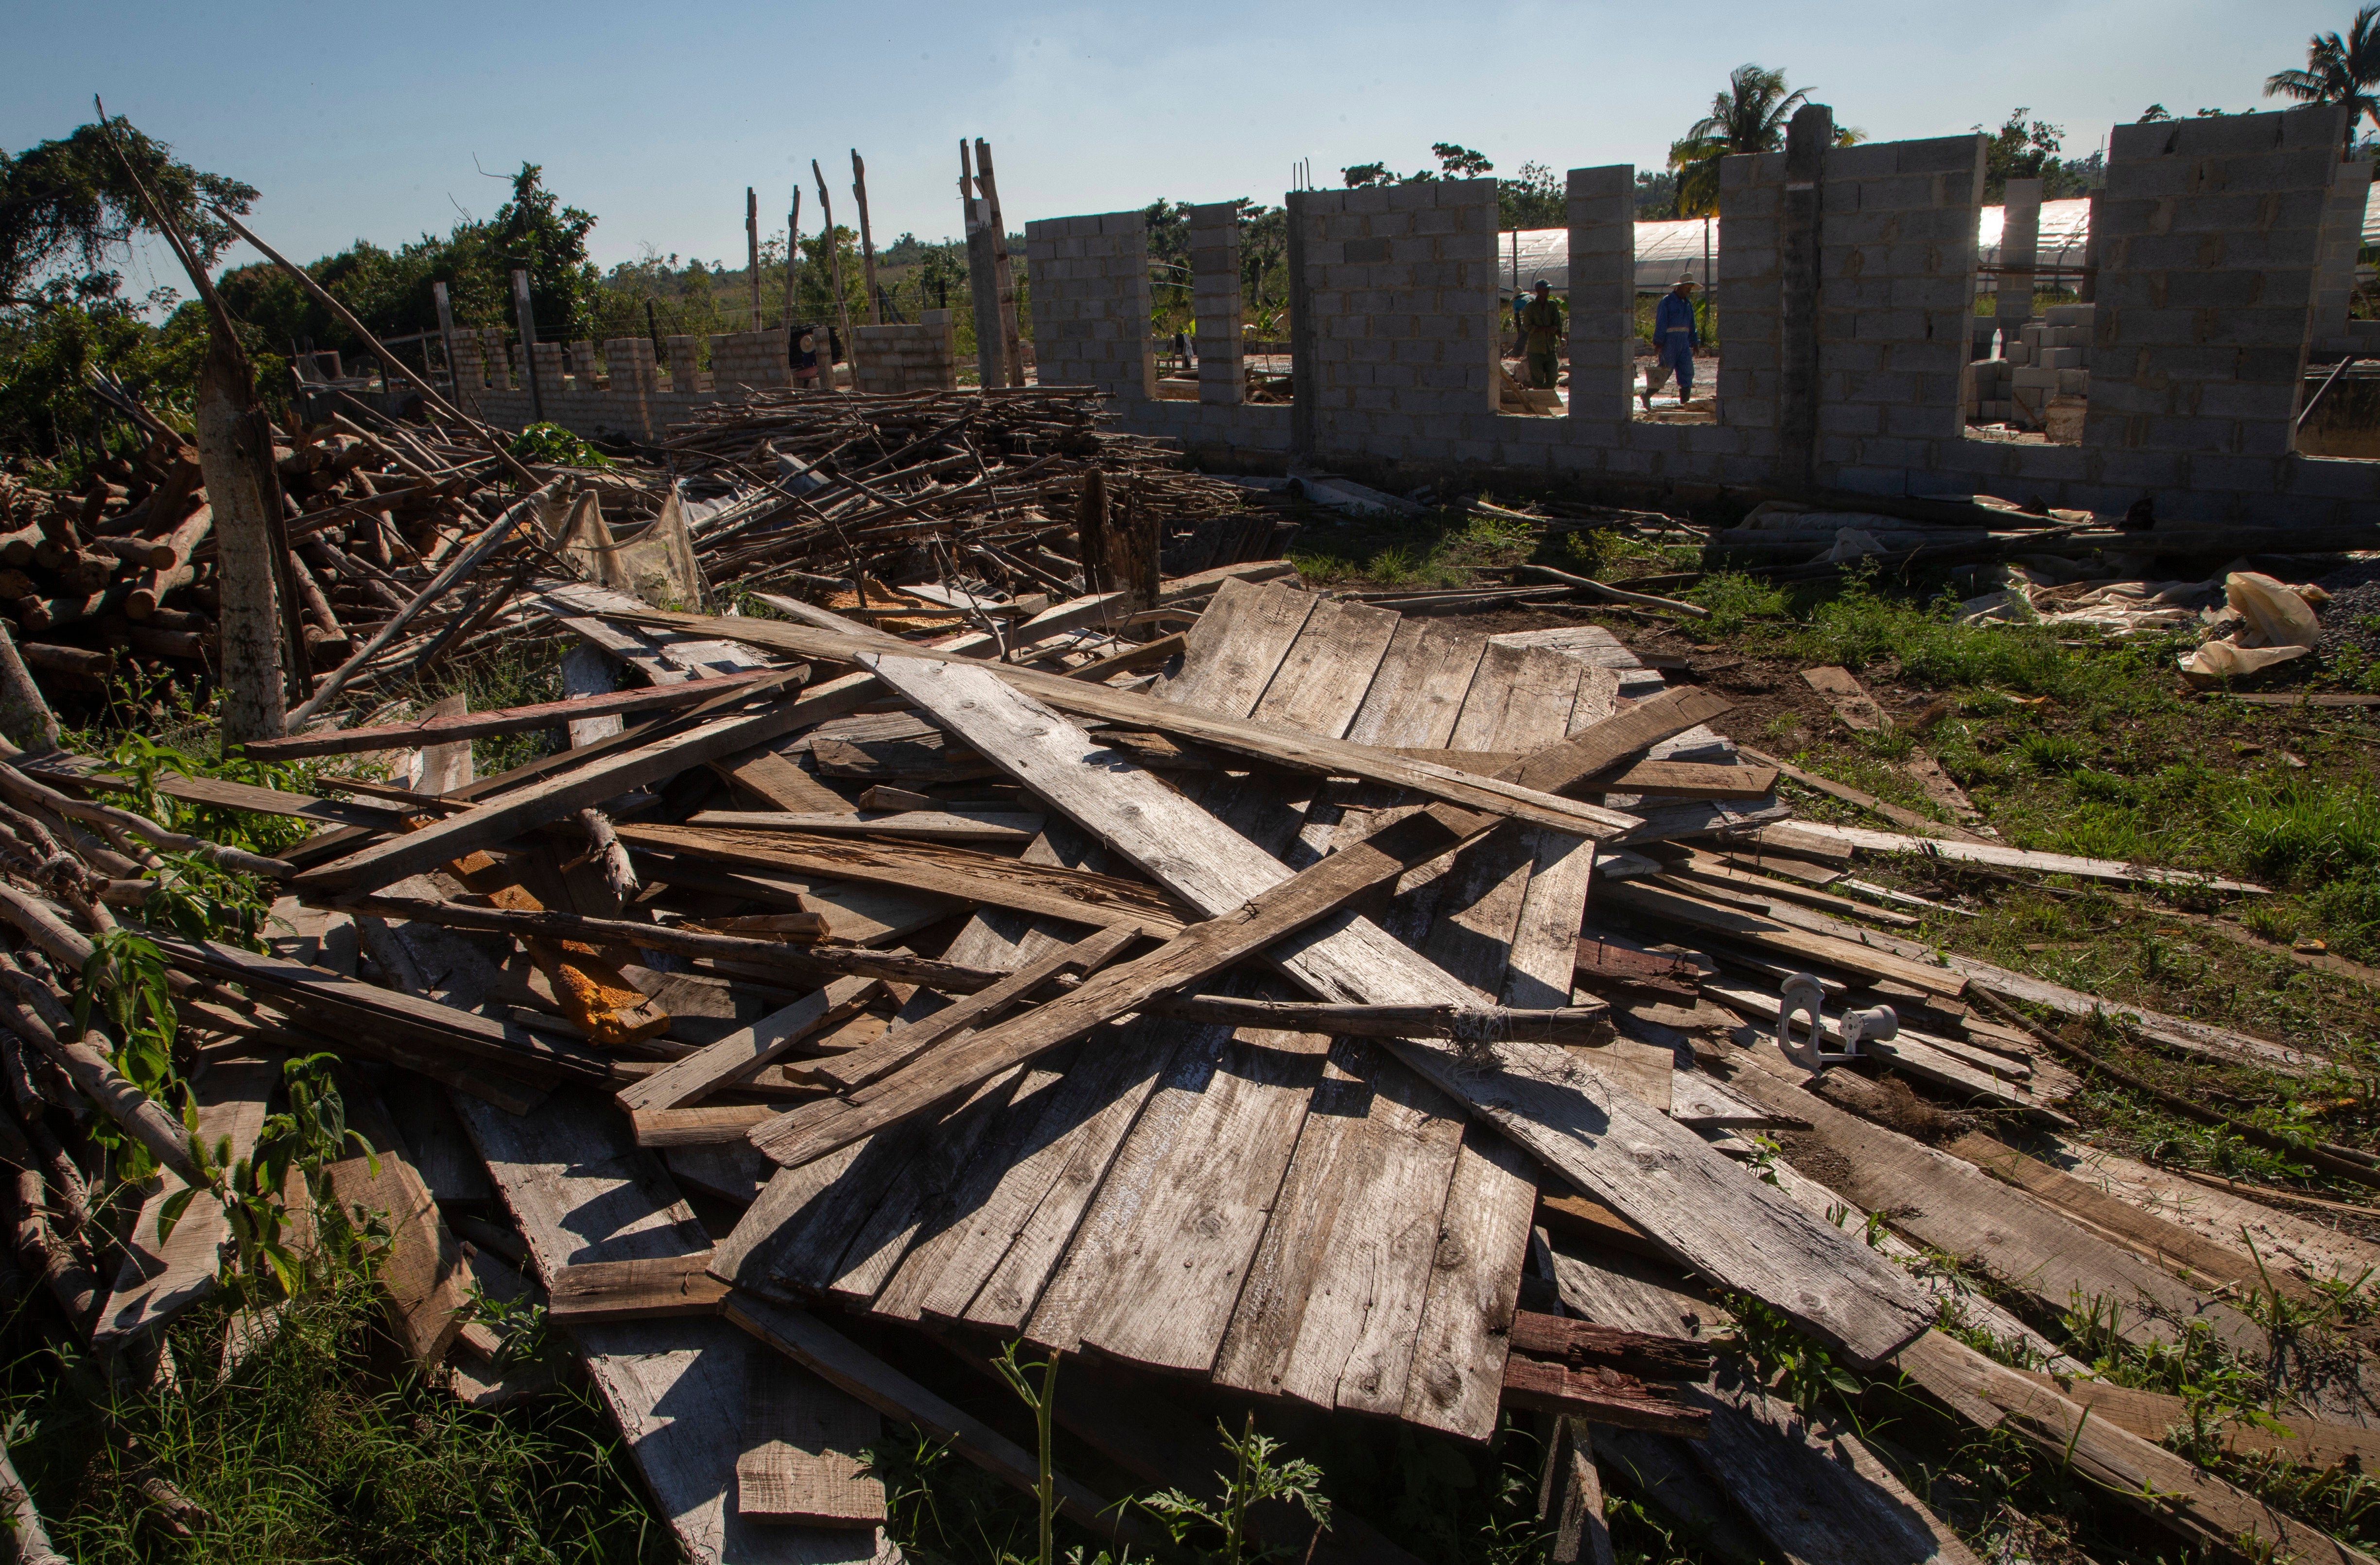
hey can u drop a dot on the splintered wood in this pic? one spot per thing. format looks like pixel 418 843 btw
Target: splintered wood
pixel 1269 995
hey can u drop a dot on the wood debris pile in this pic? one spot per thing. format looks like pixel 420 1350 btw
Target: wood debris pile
pixel 1308 1008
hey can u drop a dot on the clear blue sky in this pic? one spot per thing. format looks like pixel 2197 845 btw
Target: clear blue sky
pixel 365 122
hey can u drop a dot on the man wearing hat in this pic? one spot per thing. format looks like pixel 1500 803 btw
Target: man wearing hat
pixel 1674 338
pixel 1542 324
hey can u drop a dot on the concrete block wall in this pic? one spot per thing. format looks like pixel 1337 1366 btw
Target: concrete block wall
pixel 1750 284
pixel 1896 298
pixel 684 377
pixel 2342 236
pixel 1602 217
pixel 908 359
pixel 583 373
pixel 1090 303
pixel 1215 300
pixel 1401 281
pixel 2210 233
pixel 756 360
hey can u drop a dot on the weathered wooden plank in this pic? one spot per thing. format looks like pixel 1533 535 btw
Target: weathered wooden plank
pixel 1153 1274
pixel 1235 647
pixel 1266 742
pixel 1516 691
pixel 1322 681
pixel 2168 1490
pixel 581 1192
pixel 764 771
pixel 962 874
pixel 706 1070
pixel 1820 1494
pixel 160 1280
pixel 1416 694
pixel 1334 1295
pixel 1605 1396
pixel 1483 1237
pixel 803 1456
pixel 817 1129
pixel 644 1288
pixel 2001 856
pixel 604 777
pixel 1653 1171
pixel 984 827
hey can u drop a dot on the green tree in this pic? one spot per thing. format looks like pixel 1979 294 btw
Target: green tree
pixel 1750 116
pixel 2019 151
pixel 73 204
pixel 536 231
pixel 1656 195
pixel 1536 200
pixel 2337 70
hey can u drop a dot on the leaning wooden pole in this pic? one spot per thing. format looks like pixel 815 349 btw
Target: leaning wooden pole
pixel 983 288
pixel 866 239
pixel 793 258
pixel 752 243
pixel 244 491
pixel 1012 339
pixel 834 272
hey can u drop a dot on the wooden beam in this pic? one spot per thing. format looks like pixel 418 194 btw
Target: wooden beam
pixel 1601 1396
pixel 1578 1026
pixel 609 775
pixel 706 1070
pixel 815 1129
pixel 488 724
pixel 978 827
pixel 647 1287
pixel 1264 742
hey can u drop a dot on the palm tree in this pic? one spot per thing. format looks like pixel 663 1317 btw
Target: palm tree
pixel 1750 116
pixel 2339 70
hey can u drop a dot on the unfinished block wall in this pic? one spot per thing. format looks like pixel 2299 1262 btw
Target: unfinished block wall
pixel 1749 283
pixel 1215 297
pixel 683 376
pixel 749 359
pixel 1402 282
pixel 2210 233
pixel 1896 303
pixel 1090 303
pixel 1602 217
pixel 901 358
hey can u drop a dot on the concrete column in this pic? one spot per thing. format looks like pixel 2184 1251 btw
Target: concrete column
pixel 1807 139
pixel 2020 249
pixel 683 380
pixel 1215 294
pixel 1304 342
pixel 1602 215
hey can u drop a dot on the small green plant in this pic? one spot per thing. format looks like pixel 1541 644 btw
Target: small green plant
pixel 1782 1358
pixel 124 979
pixel 1043 1400
pixel 555 446
pixel 1215 1533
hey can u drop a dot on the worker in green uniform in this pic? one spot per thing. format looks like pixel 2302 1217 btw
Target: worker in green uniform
pixel 1542 321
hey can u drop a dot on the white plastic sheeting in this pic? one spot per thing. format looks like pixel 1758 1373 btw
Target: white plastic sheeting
pixel 1665 251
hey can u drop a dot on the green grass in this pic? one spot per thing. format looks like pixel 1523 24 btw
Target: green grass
pixel 311 1449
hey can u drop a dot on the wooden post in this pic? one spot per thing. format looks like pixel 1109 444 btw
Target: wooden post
pixel 983 286
pixel 793 259
pixel 525 315
pixel 752 243
pixel 1807 137
pixel 447 335
pixel 835 275
pixel 867 240
pixel 1011 338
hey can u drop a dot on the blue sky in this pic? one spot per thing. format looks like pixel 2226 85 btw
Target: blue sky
pixel 366 122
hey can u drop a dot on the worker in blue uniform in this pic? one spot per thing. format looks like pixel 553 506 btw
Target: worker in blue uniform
pixel 1675 338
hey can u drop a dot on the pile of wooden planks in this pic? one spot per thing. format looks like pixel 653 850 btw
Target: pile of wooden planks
pixel 1312 1008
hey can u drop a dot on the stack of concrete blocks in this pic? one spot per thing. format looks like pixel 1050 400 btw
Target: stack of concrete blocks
pixel 749 360
pixel 2342 238
pixel 684 379
pixel 550 380
pixel 909 358
pixel 1403 286
pixel 1990 392
pixel 1896 295
pixel 2048 371
pixel 1602 218
pixel 1089 279
pixel 583 375
pixel 466 363
pixel 1215 300
pixel 2210 235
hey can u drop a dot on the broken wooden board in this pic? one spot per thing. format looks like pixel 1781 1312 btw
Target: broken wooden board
pixel 1653 1171
pixel 804 1457
pixel 162 1278
pixel 2000 855
pixel 433 728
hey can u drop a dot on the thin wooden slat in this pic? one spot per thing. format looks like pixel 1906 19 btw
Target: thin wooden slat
pixel 739 1053
pixel 1458 1356
pixel 983 827
pixel 1322 681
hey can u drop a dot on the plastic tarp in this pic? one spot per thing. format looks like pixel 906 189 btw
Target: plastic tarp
pixel 1667 249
